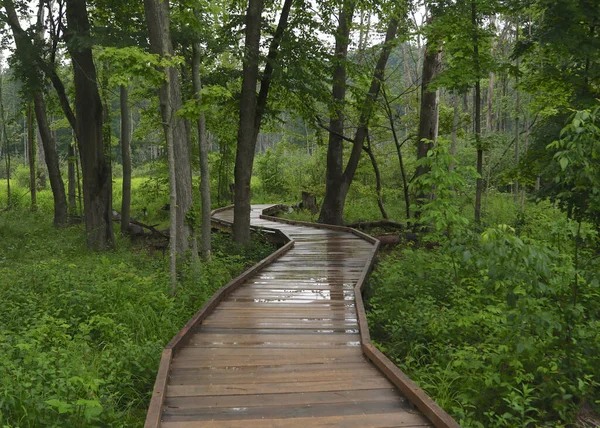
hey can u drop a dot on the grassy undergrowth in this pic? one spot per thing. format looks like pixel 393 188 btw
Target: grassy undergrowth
pixel 81 333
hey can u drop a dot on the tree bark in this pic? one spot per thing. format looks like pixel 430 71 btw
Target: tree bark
pixel 26 49
pixel 72 193
pixel 157 16
pixel 369 149
pixel 430 103
pixel 332 210
pixel 252 109
pixel 244 157
pixel 205 246
pixel 97 182
pixel 31 158
pixel 338 182
pixel 126 157
pixel 455 125
pixel 477 99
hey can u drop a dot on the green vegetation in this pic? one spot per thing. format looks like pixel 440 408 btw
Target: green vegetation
pixel 82 332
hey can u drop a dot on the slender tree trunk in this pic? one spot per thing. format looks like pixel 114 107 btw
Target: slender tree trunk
pixel 490 105
pixel 72 182
pixel 52 163
pixel 203 146
pixel 455 126
pixel 369 149
pixel 477 99
pixel 157 16
pixel 338 182
pixel 31 158
pixel 126 157
pixel 399 152
pixel 5 144
pixel 517 118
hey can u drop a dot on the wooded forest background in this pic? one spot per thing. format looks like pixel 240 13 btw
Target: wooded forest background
pixel 472 124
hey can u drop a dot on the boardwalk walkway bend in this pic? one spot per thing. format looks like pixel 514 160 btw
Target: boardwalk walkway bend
pixel 286 344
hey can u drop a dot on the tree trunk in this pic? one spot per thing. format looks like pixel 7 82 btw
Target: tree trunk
pixel 157 16
pixel 332 210
pixel 252 109
pixel 455 125
pixel 244 157
pixel 51 158
pixel 97 183
pixel 430 103
pixel 369 149
pixel 31 158
pixel 203 146
pixel 399 152
pixel 517 118
pixel 338 182
pixel 71 179
pixel 490 104
pixel 477 99
pixel 4 143
pixel 126 157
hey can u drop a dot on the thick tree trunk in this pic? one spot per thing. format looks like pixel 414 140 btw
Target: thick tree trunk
pixel 252 109
pixel 338 182
pixel 97 183
pixel 430 103
pixel 31 158
pixel 126 157
pixel 206 244
pixel 244 157
pixel 157 16
pixel 332 210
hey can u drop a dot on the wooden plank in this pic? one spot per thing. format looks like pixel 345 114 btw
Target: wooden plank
pixel 277 388
pixel 315 410
pixel 387 420
pixel 292 399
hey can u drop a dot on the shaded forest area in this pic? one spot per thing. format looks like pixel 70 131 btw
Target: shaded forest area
pixel 471 128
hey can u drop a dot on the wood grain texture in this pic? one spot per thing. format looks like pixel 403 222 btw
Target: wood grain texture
pixel 287 343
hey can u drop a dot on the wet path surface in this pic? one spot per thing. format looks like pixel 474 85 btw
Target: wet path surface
pixel 283 350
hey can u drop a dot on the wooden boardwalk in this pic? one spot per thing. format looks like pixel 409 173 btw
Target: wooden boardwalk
pixel 286 345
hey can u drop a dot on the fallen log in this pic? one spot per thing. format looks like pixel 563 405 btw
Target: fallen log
pixel 379 223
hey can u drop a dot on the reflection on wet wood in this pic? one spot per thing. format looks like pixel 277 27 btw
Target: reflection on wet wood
pixel 283 349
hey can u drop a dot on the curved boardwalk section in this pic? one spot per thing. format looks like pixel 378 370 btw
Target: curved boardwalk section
pixel 282 346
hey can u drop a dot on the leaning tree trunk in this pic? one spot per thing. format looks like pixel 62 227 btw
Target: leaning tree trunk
pixel 157 17
pixel 126 156
pixel 97 183
pixel 51 157
pixel 205 246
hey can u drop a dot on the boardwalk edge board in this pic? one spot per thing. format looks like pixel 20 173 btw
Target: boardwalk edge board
pixel 429 408
pixel 438 416
pixel 160 385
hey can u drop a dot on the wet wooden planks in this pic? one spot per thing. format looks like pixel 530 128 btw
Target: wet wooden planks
pixel 284 349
